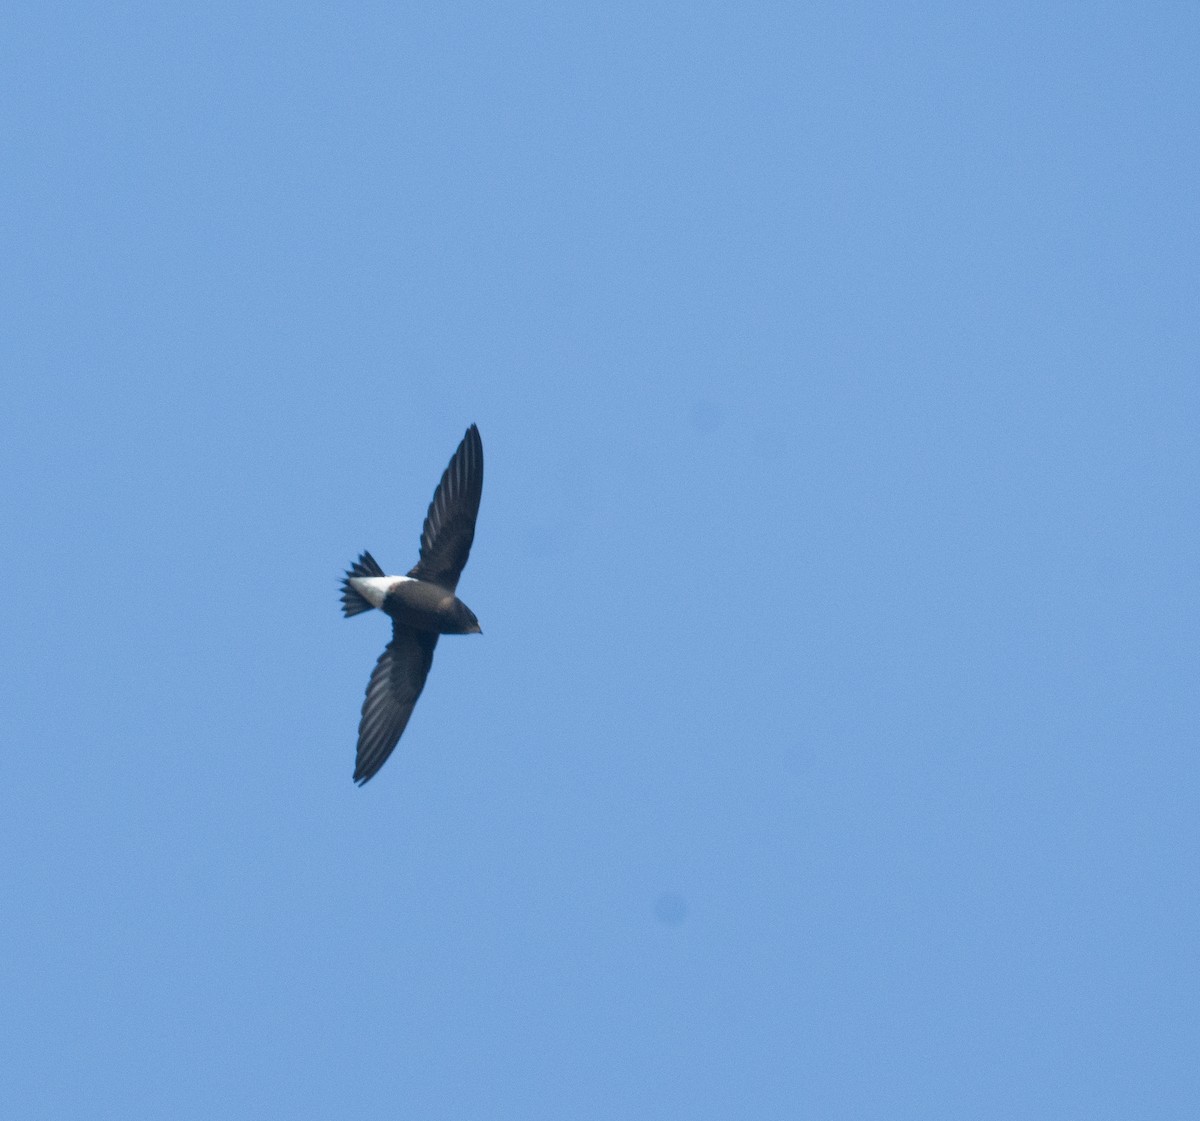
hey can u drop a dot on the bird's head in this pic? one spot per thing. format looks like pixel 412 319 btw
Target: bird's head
pixel 464 619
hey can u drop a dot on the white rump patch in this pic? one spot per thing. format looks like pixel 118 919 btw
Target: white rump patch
pixel 375 588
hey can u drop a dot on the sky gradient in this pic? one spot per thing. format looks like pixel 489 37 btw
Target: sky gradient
pixel 830 751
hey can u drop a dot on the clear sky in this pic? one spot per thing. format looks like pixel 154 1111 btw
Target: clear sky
pixel 831 747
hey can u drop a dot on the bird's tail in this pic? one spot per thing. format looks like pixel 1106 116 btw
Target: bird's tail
pixel 352 602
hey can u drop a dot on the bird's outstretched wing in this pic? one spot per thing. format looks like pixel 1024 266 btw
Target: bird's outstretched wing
pixel 396 683
pixel 450 524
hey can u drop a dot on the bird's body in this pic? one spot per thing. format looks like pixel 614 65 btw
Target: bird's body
pixel 417 603
pixel 422 605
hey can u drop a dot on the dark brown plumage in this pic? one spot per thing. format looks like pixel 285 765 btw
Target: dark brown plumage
pixel 422 605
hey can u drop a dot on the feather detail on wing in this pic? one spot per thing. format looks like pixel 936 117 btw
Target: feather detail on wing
pixel 396 683
pixel 450 524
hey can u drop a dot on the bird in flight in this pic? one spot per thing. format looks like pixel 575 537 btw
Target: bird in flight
pixel 422 605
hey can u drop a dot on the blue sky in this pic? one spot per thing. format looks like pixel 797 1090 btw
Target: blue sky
pixel 830 750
